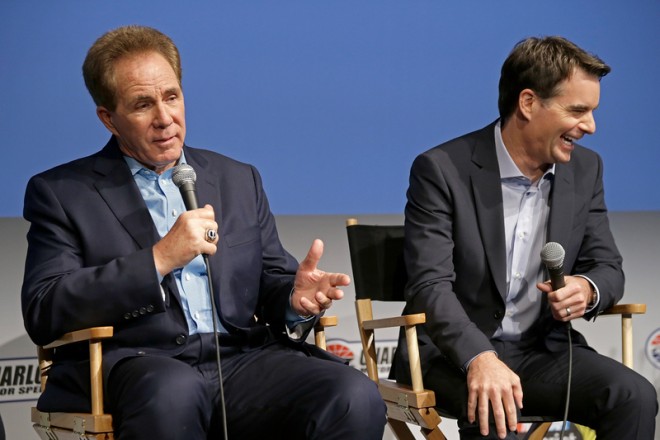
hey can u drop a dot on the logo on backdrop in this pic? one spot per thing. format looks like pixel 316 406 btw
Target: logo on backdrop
pixel 352 352
pixel 653 348
pixel 19 379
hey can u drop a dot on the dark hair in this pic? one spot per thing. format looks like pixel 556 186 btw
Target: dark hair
pixel 541 64
pixel 98 68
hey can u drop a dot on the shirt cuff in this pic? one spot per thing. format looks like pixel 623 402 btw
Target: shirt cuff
pixel 296 325
pixel 594 288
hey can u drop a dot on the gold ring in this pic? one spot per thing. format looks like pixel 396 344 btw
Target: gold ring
pixel 210 235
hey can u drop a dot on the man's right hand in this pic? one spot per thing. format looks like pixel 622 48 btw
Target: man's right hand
pixel 186 240
pixel 489 380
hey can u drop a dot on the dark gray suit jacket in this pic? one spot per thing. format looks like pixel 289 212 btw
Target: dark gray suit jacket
pixel 455 249
pixel 90 263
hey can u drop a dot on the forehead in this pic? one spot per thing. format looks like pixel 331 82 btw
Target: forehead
pixel 580 87
pixel 143 71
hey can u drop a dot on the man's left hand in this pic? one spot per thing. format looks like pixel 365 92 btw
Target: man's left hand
pixel 315 290
pixel 569 302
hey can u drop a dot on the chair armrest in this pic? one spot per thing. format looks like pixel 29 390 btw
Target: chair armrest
pixel 626 309
pixel 319 330
pixel 327 321
pixel 81 335
pixel 398 321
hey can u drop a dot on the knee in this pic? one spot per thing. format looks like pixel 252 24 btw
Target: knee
pixel 360 398
pixel 645 395
pixel 179 393
pixel 173 403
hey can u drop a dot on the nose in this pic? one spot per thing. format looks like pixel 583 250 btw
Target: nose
pixel 588 123
pixel 162 116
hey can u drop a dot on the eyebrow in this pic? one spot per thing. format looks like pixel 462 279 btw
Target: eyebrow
pixel 580 108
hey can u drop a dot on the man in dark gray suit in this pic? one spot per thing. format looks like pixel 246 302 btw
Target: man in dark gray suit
pixel 111 244
pixel 480 208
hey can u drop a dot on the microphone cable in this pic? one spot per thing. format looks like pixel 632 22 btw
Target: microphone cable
pixel 568 384
pixel 214 312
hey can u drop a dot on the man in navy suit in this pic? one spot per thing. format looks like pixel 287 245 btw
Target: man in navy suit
pixel 480 208
pixel 111 243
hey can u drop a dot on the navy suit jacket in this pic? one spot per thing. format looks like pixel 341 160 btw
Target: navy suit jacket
pixel 455 247
pixel 90 262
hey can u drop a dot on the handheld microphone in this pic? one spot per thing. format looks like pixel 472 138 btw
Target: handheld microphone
pixel 552 256
pixel 184 177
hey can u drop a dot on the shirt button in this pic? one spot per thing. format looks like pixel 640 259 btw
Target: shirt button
pixel 174 213
pixel 517 275
pixel 196 315
pixel 187 277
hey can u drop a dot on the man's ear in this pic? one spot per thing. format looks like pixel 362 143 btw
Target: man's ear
pixel 106 118
pixel 526 102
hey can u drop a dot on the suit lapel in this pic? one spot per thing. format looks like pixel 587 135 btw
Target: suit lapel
pixel 117 187
pixel 487 190
pixel 562 205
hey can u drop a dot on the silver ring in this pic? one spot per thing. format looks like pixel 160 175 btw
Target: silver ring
pixel 568 312
pixel 211 235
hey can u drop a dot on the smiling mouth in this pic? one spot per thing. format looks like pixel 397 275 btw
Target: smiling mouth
pixel 567 140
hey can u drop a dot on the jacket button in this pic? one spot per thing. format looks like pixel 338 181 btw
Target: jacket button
pixel 127 316
pixel 497 314
pixel 150 308
pixel 143 310
pixel 141 353
pixel 135 313
pixel 180 340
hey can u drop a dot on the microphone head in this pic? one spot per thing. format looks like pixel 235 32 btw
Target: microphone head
pixel 182 174
pixel 552 255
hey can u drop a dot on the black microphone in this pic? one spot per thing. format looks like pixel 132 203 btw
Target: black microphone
pixel 552 256
pixel 184 177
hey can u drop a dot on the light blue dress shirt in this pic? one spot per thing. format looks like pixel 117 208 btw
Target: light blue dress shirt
pixel 526 211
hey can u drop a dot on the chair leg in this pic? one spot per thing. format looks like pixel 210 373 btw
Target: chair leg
pixel 537 431
pixel 433 434
pixel 400 429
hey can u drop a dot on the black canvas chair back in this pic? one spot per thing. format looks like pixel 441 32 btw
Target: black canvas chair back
pixel 377 261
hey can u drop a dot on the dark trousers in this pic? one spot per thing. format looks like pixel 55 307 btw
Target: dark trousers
pixel 2 430
pixel 273 392
pixel 607 396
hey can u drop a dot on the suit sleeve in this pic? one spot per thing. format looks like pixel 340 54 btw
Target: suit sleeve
pixel 429 245
pixel 61 290
pixel 278 266
pixel 598 257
